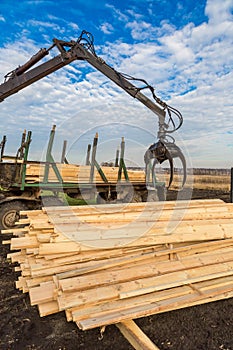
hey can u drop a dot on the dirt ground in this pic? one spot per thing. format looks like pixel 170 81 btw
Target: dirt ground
pixel 205 327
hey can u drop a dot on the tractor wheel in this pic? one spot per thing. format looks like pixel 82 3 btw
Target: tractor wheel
pixel 9 214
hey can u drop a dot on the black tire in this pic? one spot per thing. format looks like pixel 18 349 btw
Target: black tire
pixel 9 214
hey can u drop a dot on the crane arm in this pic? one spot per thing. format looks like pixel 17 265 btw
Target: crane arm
pixel 19 82
pixel 117 78
pixel 83 49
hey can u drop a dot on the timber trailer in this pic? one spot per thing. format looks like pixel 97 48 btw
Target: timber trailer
pixel 24 181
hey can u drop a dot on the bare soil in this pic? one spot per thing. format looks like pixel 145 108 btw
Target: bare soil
pixel 204 327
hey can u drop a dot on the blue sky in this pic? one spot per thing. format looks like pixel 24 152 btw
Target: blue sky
pixel 182 48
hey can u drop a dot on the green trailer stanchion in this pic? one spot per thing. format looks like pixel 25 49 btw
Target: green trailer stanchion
pixel 122 163
pixel 93 157
pixel 117 158
pixel 25 158
pixel 21 153
pixel 2 147
pixel 88 154
pixel 94 164
pixel 100 171
pixel 63 155
pixel 50 161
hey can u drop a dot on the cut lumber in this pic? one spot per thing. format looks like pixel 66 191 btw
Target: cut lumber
pixel 42 294
pixel 80 174
pixel 48 308
pixel 110 264
pixel 135 336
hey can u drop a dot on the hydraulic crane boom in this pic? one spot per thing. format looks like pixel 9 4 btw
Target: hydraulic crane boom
pixel 83 49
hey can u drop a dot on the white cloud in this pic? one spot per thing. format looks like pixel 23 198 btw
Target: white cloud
pixel 106 28
pixel 2 19
pixel 219 11
pixel 140 30
pixel 73 25
pixel 117 13
pixel 42 24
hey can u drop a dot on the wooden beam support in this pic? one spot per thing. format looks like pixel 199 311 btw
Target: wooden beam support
pixel 135 336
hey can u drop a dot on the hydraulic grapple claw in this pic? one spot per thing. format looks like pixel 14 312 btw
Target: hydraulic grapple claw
pixel 176 152
pixel 161 151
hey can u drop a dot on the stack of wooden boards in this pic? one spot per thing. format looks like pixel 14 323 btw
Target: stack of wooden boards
pixel 106 264
pixel 80 174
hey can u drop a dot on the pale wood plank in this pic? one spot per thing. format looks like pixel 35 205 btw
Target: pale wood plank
pixel 136 337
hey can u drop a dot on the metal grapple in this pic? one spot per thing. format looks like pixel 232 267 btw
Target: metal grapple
pixel 161 151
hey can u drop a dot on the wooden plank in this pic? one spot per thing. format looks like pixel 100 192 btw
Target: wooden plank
pixel 142 286
pixel 145 268
pixel 119 219
pixel 125 306
pixel 108 239
pixel 149 285
pixel 16 231
pixel 111 275
pixel 122 305
pixel 191 299
pixel 48 308
pixel 80 174
pixel 100 260
pixel 127 207
pixel 136 337
pixel 23 242
pixel 75 173
pixel 44 293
